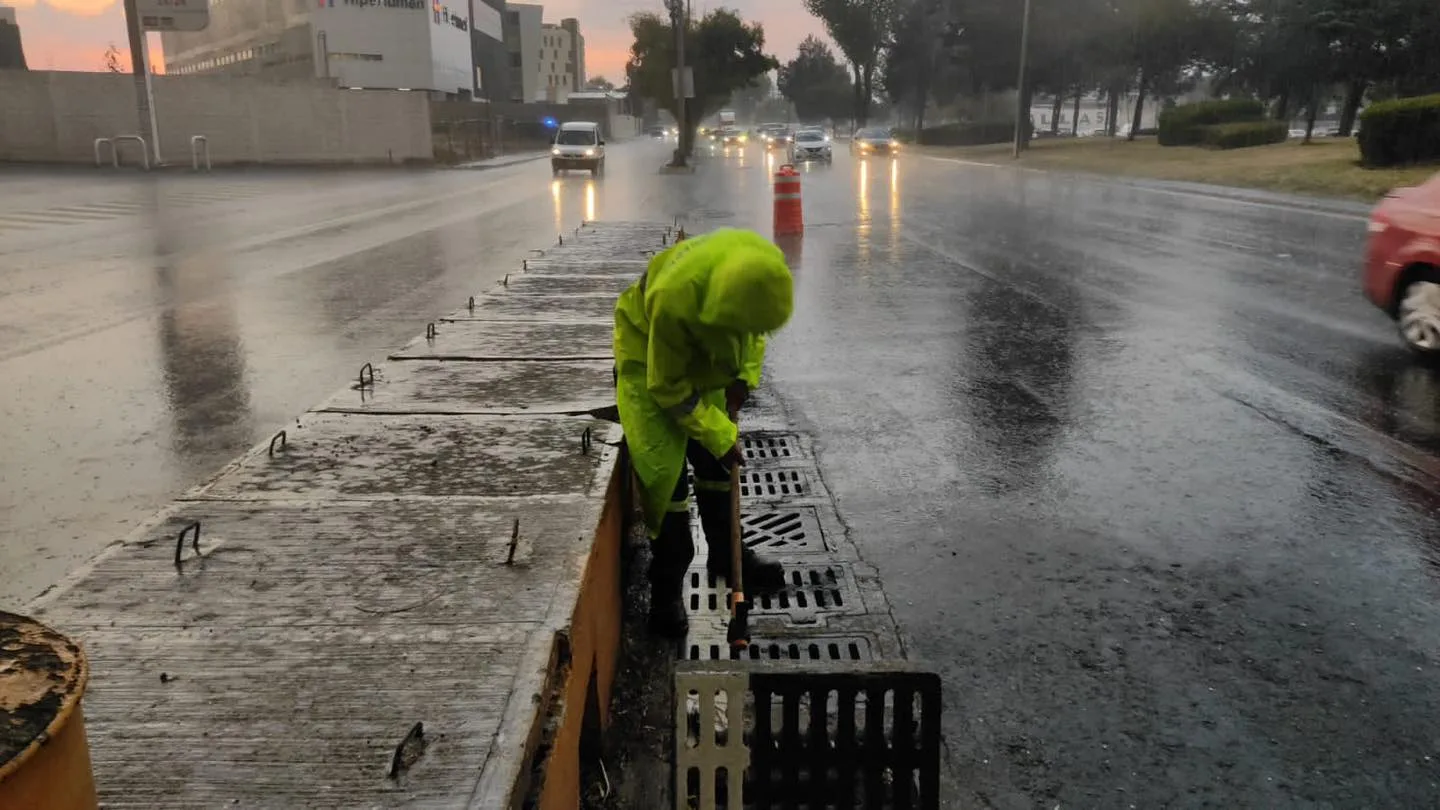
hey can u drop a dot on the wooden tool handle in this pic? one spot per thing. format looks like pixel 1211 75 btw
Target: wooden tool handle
pixel 737 546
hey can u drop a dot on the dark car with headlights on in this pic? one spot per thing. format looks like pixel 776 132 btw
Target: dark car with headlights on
pixel 873 142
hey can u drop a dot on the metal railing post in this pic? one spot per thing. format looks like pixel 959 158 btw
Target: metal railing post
pixel 144 149
pixel 99 142
pixel 198 143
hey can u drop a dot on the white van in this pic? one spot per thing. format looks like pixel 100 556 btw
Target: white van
pixel 578 145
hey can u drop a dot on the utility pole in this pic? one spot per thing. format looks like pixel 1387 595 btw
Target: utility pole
pixel 679 21
pixel 1022 108
pixel 144 90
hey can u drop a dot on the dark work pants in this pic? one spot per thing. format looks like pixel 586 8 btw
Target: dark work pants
pixel 674 549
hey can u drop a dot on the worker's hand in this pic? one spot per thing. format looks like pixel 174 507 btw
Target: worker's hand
pixel 735 396
pixel 734 458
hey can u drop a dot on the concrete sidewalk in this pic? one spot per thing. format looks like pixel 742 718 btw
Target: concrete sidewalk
pixel 409 596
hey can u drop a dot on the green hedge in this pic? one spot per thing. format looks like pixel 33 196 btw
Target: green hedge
pixel 1184 125
pixel 1243 134
pixel 970 134
pixel 1405 130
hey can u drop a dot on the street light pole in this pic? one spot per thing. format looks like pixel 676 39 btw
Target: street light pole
pixel 144 89
pixel 1022 111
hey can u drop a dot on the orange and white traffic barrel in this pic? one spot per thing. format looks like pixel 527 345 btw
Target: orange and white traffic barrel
pixel 789 210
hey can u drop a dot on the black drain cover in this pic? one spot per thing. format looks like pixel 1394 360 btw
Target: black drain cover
pixel 783 531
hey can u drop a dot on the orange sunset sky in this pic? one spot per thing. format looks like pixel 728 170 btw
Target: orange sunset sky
pixel 74 34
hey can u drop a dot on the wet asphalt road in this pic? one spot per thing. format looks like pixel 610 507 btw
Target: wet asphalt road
pixel 1146 479
pixel 154 328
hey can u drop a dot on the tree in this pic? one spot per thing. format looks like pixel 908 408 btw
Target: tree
pixel 749 101
pixel 600 84
pixel 112 60
pixel 862 29
pixel 815 82
pixel 910 59
pixel 726 53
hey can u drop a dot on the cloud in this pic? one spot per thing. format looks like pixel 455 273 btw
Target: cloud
pixel 82 8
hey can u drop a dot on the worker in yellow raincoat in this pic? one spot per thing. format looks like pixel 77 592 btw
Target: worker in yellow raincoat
pixel 689 343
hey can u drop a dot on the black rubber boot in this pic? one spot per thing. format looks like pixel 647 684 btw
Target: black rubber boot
pixel 670 556
pixel 761 575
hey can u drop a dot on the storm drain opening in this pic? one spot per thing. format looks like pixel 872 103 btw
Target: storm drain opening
pixel 783 531
pixel 811 590
pixel 769 447
pixel 837 649
pixel 774 484
pixel 835 736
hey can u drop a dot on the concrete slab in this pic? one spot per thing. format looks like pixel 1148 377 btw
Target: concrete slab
pixel 340 455
pixel 512 340
pixel 504 388
pixel 571 308
pixel 580 284
pixel 284 665
pixel 580 263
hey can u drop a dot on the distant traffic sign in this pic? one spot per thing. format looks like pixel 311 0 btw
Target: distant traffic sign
pixel 173 15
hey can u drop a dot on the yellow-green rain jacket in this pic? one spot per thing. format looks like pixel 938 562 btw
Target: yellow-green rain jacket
pixel 692 325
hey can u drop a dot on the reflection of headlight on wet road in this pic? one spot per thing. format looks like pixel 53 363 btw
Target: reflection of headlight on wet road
pixel 590 201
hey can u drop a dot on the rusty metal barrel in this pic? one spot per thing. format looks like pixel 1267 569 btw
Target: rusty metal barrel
pixel 44 759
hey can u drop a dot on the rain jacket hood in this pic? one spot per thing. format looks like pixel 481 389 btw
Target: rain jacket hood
pixel 749 291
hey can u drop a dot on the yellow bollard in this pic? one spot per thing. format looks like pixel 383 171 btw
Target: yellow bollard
pixel 44 759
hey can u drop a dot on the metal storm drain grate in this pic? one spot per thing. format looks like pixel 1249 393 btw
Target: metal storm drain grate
pixel 770 484
pixel 703 646
pixel 814 736
pixel 769 447
pixel 784 531
pixel 811 590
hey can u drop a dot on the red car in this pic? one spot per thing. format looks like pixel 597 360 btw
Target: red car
pixel 1402 263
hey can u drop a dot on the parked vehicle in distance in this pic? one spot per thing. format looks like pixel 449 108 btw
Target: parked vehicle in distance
pixel 656 132
pixel 578 145
pixel 1402 263
pixel 811 144
pixel 873 141
pixel 733 137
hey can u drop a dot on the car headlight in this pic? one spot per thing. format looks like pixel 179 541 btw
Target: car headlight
pixel 1376 226
pixel 894 144
pixel 555 151
pixel 589 153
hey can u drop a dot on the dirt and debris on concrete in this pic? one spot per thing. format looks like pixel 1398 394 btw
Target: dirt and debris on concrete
pixel 39 671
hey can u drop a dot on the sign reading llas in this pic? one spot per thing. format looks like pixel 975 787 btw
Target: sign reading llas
pixel 443 15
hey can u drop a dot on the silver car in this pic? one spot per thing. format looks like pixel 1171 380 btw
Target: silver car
pixel 811 144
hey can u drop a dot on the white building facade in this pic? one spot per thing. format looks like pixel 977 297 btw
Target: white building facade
pixel 547 61
pixel 523 25
pixel 420 45
pixel 561 63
